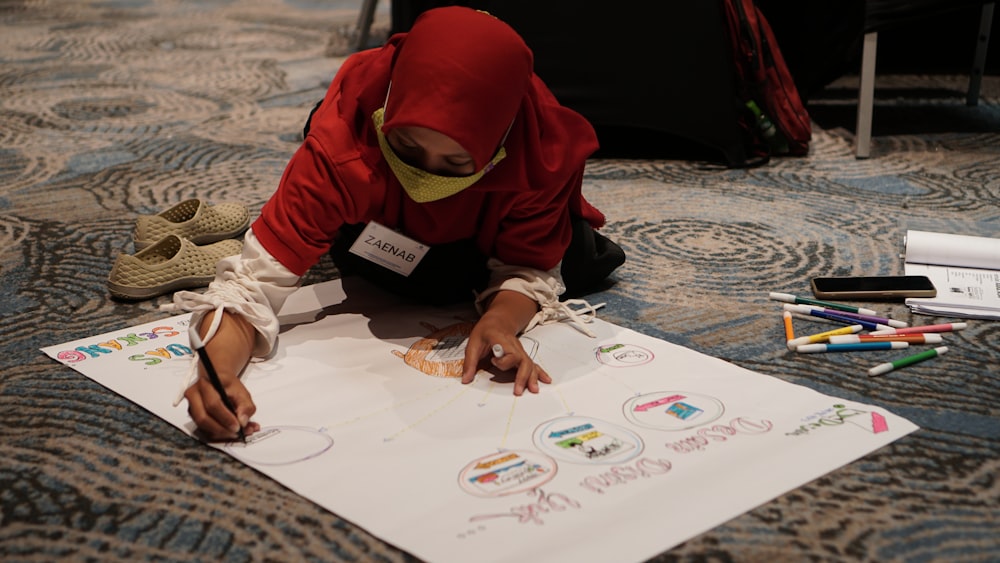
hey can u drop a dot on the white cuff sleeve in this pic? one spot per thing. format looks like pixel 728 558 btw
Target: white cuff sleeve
pixel 541 286
pixel 254 285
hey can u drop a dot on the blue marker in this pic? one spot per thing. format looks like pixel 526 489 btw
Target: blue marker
pixel 855 347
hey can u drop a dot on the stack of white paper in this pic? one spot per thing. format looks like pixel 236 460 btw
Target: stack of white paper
pixel 964 269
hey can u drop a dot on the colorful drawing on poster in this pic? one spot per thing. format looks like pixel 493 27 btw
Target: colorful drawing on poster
pixel 672 410
pixel 879 423
pixel 507 472
pixel 870 422
pixel 442 352
pixel 837 415
pixel 623 355
pixel 585 440
pixel 281 445
pixel 151 347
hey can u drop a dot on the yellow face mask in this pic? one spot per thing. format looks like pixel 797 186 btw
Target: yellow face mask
pixel 421 185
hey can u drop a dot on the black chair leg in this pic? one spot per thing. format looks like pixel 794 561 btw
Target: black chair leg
pixel 979 62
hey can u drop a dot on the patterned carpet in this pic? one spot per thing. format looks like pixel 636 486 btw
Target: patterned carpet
pixel 109 109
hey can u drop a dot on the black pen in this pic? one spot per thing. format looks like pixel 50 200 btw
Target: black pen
pixel 199 346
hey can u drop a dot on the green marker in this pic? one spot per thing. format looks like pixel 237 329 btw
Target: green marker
pixel 889 366
pixel 789 298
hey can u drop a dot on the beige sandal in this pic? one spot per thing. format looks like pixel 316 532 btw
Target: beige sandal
pixel 170 264
pixel 195 220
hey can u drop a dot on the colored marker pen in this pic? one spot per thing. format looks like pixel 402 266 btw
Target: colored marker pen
pixel 929 338
pixel 789 298
pixel 807 310
pixel 947 327
pixel 909 360
pixel 824 336
pixel 789 331
pixel 870 318
pixel 856 347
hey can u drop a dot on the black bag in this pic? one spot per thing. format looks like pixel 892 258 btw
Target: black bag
pixel 589 260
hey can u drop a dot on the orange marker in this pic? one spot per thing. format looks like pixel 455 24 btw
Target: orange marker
pixel 789 331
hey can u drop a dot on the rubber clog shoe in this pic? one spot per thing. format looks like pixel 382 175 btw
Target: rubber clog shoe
pixel 171 264
pixel 195 220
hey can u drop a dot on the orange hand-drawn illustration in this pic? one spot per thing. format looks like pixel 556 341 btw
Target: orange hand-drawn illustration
pixel 441 353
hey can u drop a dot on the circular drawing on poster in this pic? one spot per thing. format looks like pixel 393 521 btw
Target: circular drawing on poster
pixel 619 355
pixel 281 445
pixel 580 439
pixel 673 410
pixel 507 472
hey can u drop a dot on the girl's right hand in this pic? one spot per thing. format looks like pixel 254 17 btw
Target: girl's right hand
pixel 230 351
pixel 215 422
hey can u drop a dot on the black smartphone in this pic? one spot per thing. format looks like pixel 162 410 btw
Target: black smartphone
pixel 873 287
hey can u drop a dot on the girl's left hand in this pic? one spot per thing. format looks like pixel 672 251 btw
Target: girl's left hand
pixel 508 314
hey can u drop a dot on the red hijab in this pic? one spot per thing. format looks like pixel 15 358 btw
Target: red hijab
pixel 468 75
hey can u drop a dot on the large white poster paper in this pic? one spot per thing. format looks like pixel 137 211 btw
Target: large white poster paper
pixel 637 446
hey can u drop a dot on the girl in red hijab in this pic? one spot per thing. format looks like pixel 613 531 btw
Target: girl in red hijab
pixel 438 166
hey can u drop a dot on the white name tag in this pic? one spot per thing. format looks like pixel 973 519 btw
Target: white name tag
pixel 388 248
